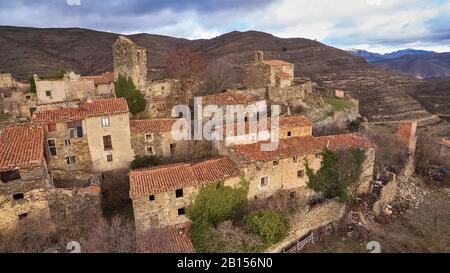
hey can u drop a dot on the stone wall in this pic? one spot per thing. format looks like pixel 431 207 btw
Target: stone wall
pixel 66 203
pixel 365 181
pixel 33 185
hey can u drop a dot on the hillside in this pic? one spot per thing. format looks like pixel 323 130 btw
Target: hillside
pixel 422 66
pixel 24 51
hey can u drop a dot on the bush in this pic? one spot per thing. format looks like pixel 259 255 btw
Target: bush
pixel 269 225
pixel 339 170
pixel 217 203
pixel 141 162
pixel 125 88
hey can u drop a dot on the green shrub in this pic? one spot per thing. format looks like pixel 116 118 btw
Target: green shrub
pixel 141 162
pixel 216 203
pixel 339 170
pixel 125 88
pixel 269 225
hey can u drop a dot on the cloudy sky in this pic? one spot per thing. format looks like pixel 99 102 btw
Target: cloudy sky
pixel 376 25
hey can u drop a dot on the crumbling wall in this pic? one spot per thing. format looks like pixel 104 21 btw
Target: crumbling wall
pixel 67 203
pixel 130 60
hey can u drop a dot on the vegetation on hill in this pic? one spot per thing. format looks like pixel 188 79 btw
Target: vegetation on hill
pixel 340 170
pixel 125 88
pixel 269 225
pixel 338 104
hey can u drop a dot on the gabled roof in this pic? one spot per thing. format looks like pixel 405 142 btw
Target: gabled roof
pixel 103 107
pixel 229 97
pixel 146 182
pixel 105 78
pixel 170 239
pixel 21 145
pixel 301 146
pixel 152 125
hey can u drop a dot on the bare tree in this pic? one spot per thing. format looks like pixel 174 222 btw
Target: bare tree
pixel 111 236
pixel 186 66
pixel 426 151
pixel 219 75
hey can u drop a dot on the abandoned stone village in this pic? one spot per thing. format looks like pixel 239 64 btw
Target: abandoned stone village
pixel 62 138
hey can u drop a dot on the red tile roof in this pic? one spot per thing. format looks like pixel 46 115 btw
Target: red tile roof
pixel 104 107
pixel 276 62
pixel 166 178
pixel 227 98
pixel 171 239
pixel 21 146
pixel 294 121
pixel 152 125
pixel 301 146
pixel 105 78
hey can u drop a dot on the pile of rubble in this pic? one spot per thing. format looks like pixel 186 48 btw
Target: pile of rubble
pixel 409 195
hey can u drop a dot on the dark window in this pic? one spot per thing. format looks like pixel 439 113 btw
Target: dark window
pixel 264 181
pixel 276 162
pixel 109 158
pixel 107 143
pixel 71 160
pixel 318 156
pixel 301 174
pixel 51 127
pixel 172 148
pixel 28 97
pixel 182 211
pixel 246 119
pixel 151 198
pixel 179 193
pixel 9 176
pixel 148 137
pixel 23 216
pixel 295 159
pixel 48 93
pixel 18 196
pixel 289 133
pixel 32 110
pixel 180 115
pixel 67 142
pixel 51 146
pixel 150 150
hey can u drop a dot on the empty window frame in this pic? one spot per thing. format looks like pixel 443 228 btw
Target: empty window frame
pixel 264 181
pixel 109 158
pixel 5 177
pixel 51 146
pixel 107 143
pixel 71 160
pixel 179 193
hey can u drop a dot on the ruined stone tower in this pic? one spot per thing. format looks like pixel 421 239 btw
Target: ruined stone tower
pixel 130 60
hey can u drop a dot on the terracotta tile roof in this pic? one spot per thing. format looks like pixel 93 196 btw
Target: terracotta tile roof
pixel 171 239
pixel 103 107
pixel 152 125
pixel 21 146
pixel 227 98
pixel 294 121
pixel 301 146
pixel 215 170
pixel 166 178
pixel 105 78
pixel 276 62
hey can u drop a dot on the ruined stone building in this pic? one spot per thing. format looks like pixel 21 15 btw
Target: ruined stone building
pixel 73 87
pixel 24 179
pixel 170 239
pixel 15 97
pixel 130 60
pixel 273 73
pixel 92 138
pixel 160 195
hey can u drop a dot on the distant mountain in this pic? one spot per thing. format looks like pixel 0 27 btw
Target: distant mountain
pixel 382 94
pixel 420 66
pixel 373 57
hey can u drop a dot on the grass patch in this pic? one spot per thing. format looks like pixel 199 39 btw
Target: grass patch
pixel 338 104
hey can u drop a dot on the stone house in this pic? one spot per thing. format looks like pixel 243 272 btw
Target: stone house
pixel 24 179
pixel 274 73
pixel 160 195
pixel 103 85
pixel 92 138
pixel 284 168
pixel 15 97
pixel 289 126
pixel 153 137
